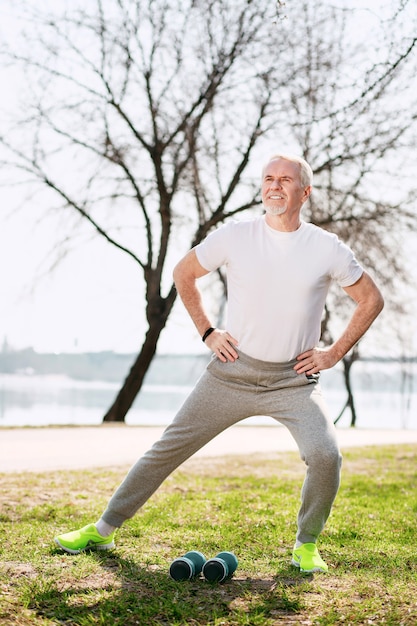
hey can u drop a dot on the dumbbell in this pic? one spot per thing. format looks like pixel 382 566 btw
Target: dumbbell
pixel 187 566
pixel 220 568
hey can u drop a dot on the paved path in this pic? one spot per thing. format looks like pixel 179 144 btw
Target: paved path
pixel 46 449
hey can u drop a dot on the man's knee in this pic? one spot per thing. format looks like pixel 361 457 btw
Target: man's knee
pixel 329 458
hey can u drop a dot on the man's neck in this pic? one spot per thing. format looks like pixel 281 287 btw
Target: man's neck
pixel 283 223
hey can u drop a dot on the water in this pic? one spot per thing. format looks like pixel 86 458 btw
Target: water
pixel 385 397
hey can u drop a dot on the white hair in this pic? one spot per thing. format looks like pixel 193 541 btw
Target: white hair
pixel 306 173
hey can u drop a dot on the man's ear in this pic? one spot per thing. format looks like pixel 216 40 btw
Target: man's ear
pixel 307 193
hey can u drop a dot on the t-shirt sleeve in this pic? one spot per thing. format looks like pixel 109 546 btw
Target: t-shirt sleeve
pixel 347 270
pixel 212 251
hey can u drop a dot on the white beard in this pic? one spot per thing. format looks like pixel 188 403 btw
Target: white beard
pixel 275 210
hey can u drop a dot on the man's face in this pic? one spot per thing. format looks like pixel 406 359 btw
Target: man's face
pixel 282 191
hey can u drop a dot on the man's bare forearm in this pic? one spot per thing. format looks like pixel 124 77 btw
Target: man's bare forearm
pixel 369 303
pixel 362 318
pixel 186 274
pixel 191 298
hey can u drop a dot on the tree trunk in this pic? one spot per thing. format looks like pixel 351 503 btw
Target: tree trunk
pixel 348 361
pixel 134 380
pixel 347 365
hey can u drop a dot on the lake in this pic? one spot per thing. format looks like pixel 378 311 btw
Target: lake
pixel 385 397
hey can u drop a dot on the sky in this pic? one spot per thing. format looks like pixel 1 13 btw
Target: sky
pixel 90 302
pixel 82 305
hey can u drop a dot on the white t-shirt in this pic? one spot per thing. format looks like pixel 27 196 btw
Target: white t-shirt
pixel 277 283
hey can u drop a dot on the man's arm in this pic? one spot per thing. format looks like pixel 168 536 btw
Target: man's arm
pixel 370 303
pixel 186 274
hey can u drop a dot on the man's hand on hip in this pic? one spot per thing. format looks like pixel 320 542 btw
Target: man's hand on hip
pixel 222 344
pixel 315 360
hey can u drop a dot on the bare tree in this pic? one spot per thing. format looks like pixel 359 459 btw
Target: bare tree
pixel 159 105
pixel 358 134
pixel 163 106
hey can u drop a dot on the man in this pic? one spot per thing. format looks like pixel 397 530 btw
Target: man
pixel 267 361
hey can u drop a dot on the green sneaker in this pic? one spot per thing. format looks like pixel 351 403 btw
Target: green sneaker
pixel 83 539
pixel 308 559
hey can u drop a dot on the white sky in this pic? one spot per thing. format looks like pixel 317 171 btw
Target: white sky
pixel 89 303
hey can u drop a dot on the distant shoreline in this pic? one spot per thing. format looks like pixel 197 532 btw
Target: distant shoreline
pixel 109 366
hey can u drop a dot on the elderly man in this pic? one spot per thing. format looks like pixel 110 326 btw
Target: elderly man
pixel 267 360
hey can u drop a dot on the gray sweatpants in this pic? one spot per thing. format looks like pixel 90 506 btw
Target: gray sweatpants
pixel 225 394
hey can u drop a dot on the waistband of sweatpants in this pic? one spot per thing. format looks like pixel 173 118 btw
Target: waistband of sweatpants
pixel 265 366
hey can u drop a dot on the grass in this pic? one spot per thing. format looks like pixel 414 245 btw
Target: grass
pixel 245 505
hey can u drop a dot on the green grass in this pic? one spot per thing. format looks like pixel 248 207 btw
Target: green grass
pixel 246 505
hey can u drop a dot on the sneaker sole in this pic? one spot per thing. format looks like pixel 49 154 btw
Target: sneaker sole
pixel 308 571
pixel 93 546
